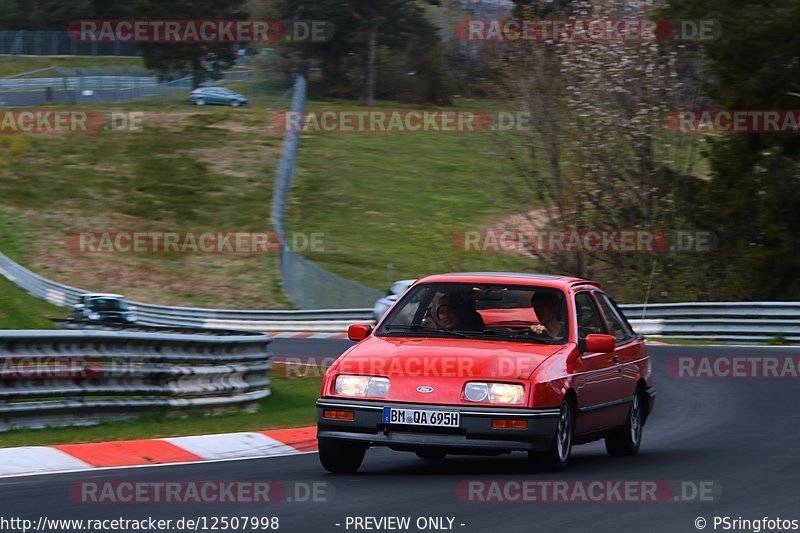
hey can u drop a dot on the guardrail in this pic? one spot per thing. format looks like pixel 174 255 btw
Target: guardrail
pixel 721 321
pixel 77 82
pixel 20 42
pixel 191 317
pixel 308 285
pixel 59 378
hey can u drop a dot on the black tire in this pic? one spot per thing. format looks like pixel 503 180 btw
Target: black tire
pixel 340 457
pixel 556 457
pixel 431 455
pixel 627 439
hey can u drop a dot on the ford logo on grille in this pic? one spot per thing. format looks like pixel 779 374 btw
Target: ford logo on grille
pixel 425 389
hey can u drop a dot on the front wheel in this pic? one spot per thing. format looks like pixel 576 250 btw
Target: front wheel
pixel 340 457
pixel 200 101
pixel 627 439
pixel 557 456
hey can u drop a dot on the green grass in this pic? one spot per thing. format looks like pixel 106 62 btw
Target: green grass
pixel 189 169
pixel 20 310
pixel 379 199
pixel 291 404
pixel 399 198
pixel 11 65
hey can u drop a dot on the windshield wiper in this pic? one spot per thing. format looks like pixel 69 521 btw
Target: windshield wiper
pixel 419 328
pixel 526 337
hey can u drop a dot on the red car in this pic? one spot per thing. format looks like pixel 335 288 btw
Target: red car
pixel 488 363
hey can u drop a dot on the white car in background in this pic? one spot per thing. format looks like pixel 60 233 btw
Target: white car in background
pixel 395 291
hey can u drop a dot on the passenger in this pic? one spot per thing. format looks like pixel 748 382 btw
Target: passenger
pixel 454 311
pixel 547 306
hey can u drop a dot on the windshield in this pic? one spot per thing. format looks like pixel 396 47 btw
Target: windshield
pixel 106 304
pixel 487 311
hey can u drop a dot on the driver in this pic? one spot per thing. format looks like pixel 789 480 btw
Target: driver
pixel 547 306
pixel 453 311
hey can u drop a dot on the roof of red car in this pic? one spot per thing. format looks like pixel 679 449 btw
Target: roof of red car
pixel 546 280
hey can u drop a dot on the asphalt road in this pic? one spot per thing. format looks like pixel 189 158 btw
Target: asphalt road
pixel 738 436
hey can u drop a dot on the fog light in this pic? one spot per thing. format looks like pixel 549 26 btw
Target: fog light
pixel 506 423
pixel 338 415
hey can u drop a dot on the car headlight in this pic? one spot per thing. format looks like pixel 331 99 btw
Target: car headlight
pixel 347 385
pixel 494 392
pixel 94 316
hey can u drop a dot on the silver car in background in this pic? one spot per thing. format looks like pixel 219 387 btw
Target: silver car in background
pixel 395 291
pixel 103 308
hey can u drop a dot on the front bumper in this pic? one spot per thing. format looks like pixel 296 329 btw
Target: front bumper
pixel 474 435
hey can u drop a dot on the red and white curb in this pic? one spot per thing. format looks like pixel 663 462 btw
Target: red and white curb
pixel 71 457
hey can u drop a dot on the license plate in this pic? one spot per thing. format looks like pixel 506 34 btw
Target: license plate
pixel 420 417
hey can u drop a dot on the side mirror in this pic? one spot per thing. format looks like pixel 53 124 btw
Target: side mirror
pixel 358 332
pixel 600 343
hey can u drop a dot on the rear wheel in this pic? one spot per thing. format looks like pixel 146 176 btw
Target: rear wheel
pixel 431 454
pixel 627 439
pixel 557 456
pixel 340 457
pixel 235 103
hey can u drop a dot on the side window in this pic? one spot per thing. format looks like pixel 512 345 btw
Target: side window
pixel 606 301
pixel 589 318
pixel 616 322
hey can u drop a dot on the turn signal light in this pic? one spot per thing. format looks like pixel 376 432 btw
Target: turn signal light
pixel 505 423
pixel 338 415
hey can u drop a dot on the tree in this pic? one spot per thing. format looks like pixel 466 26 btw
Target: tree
pixel 597 154
pixel 42 15
pixel 202 59
pixel 752 195
pixel 368 34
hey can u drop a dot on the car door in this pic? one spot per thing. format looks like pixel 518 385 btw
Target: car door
pixel 212 97
pixel 225 97
pixel 630 349
pixel 598 380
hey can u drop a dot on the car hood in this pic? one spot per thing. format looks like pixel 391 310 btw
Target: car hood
pixel 445 357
